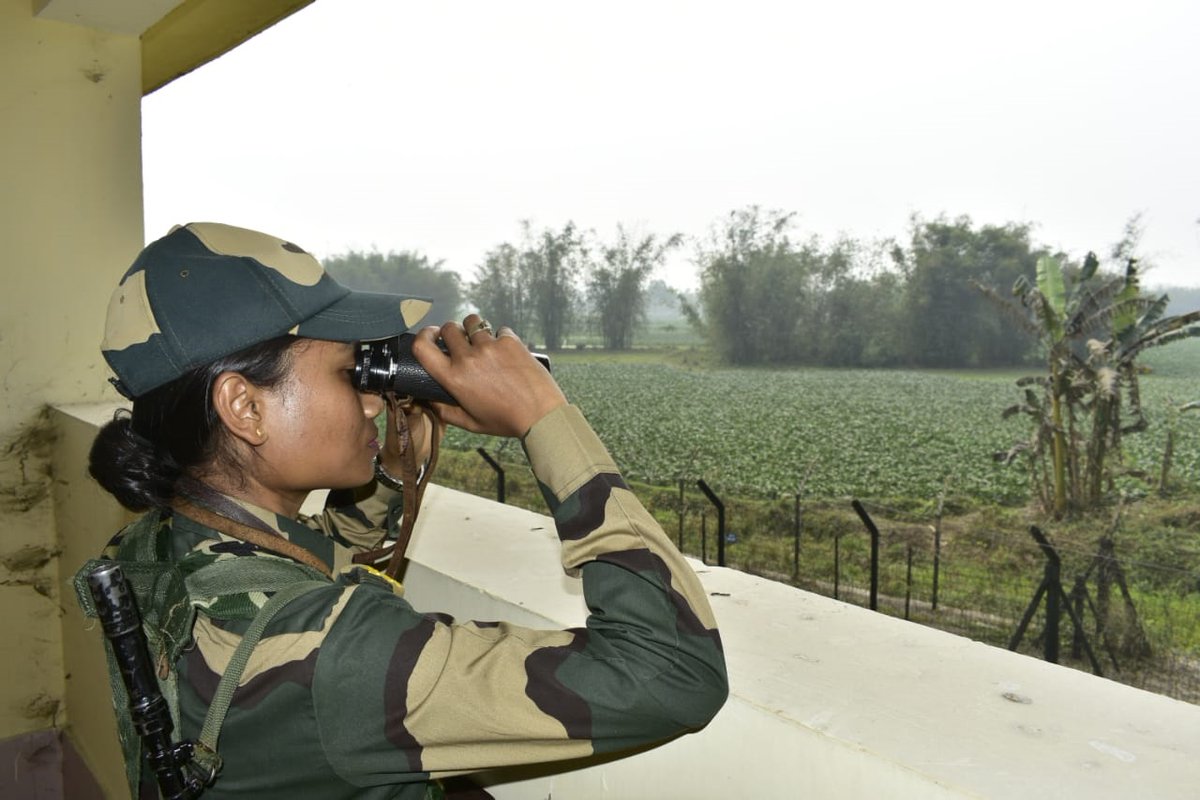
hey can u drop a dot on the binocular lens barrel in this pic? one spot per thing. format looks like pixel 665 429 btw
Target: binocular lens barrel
pixel 388 365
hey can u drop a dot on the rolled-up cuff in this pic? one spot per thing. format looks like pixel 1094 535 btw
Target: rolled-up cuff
pixel 565 452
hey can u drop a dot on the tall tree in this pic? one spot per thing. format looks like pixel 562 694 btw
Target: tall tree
pixel 948 323
pixel 851 313
pixel 553 261
pixel 500 291
pixel 753 287
pixel 662 301
pixel 616 285
pixel 404 272
pixel 855 322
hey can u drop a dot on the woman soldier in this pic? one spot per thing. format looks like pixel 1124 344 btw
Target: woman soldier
pixel 238 353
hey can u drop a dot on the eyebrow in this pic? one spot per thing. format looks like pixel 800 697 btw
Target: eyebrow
pixel 345 351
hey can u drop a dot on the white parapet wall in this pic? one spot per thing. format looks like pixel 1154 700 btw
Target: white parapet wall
pixel 828 700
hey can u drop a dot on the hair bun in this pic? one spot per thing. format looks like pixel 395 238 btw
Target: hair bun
pixel 131 468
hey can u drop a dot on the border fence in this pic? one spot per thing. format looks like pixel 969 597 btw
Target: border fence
pixel 1097 609
pixel 1094 608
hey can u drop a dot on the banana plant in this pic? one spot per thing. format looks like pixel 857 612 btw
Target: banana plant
pixel 1091 327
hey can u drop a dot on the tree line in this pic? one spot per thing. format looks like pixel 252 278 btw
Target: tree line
pixel 767 295
pixel 552 283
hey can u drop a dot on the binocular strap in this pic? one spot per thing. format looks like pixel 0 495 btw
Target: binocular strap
pixel 413 481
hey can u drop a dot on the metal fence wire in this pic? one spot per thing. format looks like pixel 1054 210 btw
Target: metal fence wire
pixel 1095 608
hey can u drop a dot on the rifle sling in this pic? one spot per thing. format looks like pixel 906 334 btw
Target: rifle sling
pixel 263 538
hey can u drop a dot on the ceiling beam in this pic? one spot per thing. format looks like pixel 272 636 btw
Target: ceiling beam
pixel 197 31
pixel 115 16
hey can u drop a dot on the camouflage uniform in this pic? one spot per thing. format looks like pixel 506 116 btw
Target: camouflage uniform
pixel 352 693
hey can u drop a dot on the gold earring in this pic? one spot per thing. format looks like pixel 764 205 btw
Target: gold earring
pixel 262 436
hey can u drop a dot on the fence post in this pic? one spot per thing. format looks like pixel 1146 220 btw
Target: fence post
pixel 937 546
pixel 796 525
pixel 908 584
pixel 874 531
pixel 1056 600
pixel 681 514
pixel 796 543
pixel 716 501
pixel 837 564
pixel 499 470
pixel 1078 595
pixel 1054 580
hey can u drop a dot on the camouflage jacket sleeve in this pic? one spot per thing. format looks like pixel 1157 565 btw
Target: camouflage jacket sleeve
pixel 359 695
pixel 397 693
pixel 361 525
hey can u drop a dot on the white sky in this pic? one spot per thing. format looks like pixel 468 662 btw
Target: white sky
pixel 437 127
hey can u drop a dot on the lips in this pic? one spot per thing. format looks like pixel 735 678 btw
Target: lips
pixel 373 445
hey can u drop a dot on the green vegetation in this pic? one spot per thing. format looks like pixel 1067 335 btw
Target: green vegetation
pixel 1092 329
pixel 616 285
pixel 534 286
pixel 405 272
pixel 768 297
pixel 881 434
pixel 897 439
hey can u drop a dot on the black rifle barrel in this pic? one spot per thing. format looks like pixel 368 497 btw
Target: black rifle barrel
pixel 122 625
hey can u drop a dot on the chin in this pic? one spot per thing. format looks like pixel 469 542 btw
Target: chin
pixel 360 479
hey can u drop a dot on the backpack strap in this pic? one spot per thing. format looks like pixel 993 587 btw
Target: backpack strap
pixel 169 601
pixel 166 613
pixel 206 749
pixel 244 574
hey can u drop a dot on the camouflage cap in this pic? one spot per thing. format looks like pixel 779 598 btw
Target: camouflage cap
pixel 207 290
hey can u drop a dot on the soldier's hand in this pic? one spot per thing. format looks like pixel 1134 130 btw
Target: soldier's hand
pixel 500 387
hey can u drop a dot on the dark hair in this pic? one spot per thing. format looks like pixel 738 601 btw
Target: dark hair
pixel 173 429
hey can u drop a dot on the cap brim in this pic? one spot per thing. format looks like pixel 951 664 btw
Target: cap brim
pixel 365 316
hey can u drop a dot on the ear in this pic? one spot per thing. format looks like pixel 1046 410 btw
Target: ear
pixel 238 402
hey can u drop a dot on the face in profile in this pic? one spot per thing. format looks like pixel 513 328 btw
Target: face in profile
pixel 320 429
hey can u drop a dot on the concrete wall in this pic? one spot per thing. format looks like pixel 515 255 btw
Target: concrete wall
pixel 87 518
pixel 828 699
pixel 70 223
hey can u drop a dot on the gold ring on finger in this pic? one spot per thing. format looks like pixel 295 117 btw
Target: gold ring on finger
pixel 482 325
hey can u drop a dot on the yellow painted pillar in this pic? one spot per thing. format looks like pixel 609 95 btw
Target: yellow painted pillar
pixel 70 224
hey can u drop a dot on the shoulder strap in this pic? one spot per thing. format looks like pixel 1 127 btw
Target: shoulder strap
pixel 206 748
pixel 160 590
pixel 229 576
pixel 267 540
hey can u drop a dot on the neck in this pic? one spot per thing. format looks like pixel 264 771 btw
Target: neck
pixel 284 503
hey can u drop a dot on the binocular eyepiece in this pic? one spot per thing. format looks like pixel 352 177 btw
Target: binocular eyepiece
pixel 388 365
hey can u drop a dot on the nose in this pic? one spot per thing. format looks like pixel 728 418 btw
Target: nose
pixel 372 404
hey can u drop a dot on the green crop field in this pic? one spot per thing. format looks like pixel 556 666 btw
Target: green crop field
pixel 894 439
pixel 866 433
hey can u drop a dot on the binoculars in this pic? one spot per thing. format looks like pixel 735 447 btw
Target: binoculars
pixel 388 365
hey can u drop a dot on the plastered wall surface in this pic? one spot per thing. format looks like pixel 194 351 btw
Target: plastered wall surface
pixel 88 517
pixel 71 222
